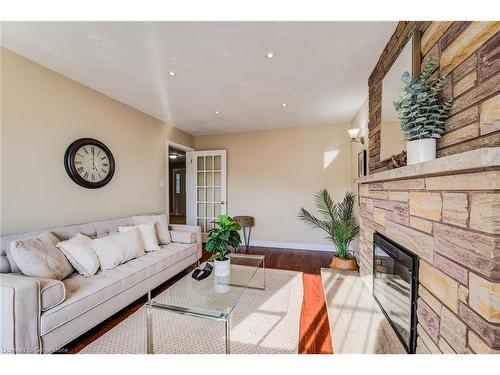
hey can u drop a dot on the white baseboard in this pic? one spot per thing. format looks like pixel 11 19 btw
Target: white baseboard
pixel 293 245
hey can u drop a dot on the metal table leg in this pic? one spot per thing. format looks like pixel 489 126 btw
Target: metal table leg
pixel 247 231
pixel 264 270
pixel 227 328
pixel 149 330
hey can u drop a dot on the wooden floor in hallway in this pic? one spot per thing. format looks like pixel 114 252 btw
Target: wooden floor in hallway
pixel 314 327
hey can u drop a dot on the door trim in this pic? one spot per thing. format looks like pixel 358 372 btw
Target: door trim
pixel 170 143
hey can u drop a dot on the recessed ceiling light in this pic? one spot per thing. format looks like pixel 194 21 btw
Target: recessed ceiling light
pixel 284 104
pixel 217 112
pixel 172 74
pixel 270 55
pixel 173 156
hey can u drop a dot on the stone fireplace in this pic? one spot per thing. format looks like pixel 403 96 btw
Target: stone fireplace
pixel 447 212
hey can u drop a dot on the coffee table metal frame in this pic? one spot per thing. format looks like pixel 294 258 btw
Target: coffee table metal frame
pixel 223 317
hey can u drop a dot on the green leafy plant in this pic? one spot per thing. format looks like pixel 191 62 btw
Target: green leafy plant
pixel 337 220
pixel 422 108
pixel 223 237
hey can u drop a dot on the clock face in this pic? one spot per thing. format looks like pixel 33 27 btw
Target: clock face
pixel 89 163
pixel 92 163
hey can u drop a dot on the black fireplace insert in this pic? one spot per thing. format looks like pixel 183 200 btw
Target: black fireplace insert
pixel 395 283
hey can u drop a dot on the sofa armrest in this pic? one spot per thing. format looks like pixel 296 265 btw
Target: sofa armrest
pixel 184 237
pixel 189 228
pixel 20 312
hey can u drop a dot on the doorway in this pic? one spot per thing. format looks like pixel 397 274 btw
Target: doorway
pixel 206 171
pixel 177 185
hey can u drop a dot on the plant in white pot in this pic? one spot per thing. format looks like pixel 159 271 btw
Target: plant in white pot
pixel 221 239
pixel 422 110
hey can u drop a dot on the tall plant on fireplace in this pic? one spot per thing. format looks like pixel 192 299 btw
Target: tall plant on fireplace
pixel 337 220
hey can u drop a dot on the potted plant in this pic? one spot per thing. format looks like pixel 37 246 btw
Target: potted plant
pixel 422 110
pixel 339 223
pixel 221 239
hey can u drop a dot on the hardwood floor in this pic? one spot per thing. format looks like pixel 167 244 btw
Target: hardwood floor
pixel 314 327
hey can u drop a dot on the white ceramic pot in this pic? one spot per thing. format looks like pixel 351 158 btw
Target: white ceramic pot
pixel 420 150
pixel 222 285
pixel 222 267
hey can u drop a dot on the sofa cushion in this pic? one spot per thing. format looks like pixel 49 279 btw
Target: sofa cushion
pixel 147 233
pixel 117 248
pixel 40 257
pixel 161 226
pixel 7 240
pixel 52 293
pixel 82 294
pixel 183 237
pixel 78 249
pixel 106 227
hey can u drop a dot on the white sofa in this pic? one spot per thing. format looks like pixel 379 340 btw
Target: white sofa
pixel 33 318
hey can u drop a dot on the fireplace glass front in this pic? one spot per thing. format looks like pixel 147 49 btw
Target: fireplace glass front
pixel 395 273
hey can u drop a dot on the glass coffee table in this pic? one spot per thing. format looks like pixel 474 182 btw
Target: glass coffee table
pixel 212 298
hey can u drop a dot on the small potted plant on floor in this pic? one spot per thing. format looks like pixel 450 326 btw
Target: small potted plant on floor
pixel 221 239
pixel 339 223
pixel 422 110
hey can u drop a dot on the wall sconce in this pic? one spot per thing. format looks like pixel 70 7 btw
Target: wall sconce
pixel 354 135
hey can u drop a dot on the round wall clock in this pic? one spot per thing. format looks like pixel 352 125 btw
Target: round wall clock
pixel 89 163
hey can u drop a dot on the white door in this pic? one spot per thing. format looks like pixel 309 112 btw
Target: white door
pixel 207 180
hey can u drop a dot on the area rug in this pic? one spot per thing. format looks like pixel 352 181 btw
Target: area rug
pixel 263 322
pixel 357 325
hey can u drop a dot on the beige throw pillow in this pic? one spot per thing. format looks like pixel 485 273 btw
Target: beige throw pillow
pixel 117 248
pixel 78 249
pixel 40 257
pixel 161 225
pixel 132 244
pixel 148 235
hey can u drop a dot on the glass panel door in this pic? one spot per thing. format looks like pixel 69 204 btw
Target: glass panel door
pixel 209 190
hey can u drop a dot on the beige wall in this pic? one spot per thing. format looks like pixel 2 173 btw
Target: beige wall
pixel 359 121
pixel 272 173
pixel 42 112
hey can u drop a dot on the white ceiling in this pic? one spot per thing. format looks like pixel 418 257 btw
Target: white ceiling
pixel 320 69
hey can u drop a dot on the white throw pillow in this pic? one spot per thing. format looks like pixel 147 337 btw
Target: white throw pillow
pixel 132 244
pixel 109 250
pixel 40 257
pixel 78 249
pixel 117 248
pixel 161 224
pixel 148 235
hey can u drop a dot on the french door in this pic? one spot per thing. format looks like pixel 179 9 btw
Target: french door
pixel 207 180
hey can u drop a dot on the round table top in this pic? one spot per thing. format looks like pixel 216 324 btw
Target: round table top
pixel 244 221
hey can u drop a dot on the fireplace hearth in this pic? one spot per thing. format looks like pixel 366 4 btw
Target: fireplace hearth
pixel 395 283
